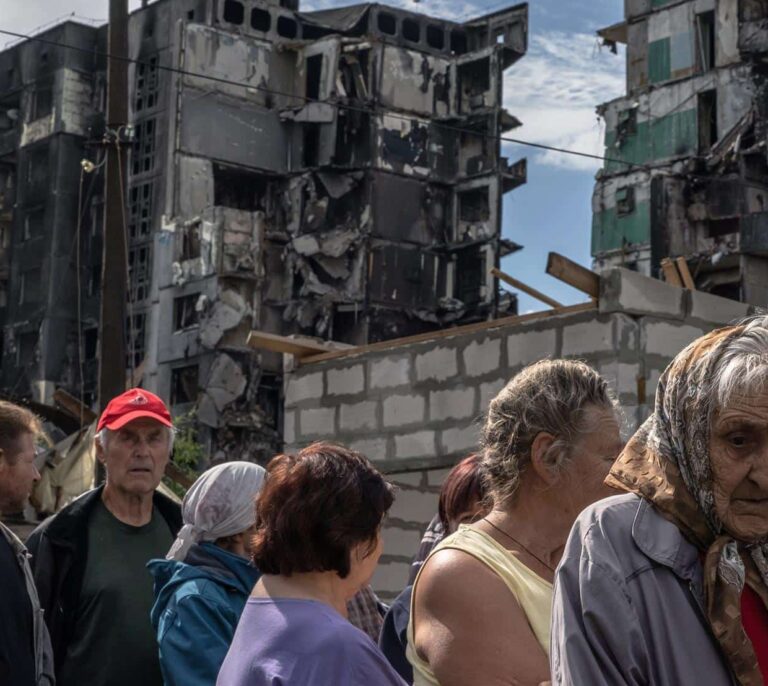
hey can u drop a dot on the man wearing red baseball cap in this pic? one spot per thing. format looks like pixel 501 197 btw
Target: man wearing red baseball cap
pixel 89 559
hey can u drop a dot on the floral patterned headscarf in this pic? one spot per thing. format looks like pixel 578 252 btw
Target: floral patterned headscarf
pixel 667 462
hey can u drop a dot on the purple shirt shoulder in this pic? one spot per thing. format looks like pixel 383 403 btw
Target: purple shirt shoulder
pixel 292 642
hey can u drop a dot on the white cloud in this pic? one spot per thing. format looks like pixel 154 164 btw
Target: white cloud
pixel 554 90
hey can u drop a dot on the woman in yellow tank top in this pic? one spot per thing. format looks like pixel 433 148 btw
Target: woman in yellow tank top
pixel 480 611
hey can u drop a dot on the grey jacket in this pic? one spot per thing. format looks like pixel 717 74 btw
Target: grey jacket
pixel 628 603
pixel 42 641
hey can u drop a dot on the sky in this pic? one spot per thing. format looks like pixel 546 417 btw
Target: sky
pixel 553 90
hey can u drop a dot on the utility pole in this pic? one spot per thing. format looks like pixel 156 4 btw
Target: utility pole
pixel 114 263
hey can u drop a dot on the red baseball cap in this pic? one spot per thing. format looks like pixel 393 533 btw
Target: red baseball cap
pixel 131 405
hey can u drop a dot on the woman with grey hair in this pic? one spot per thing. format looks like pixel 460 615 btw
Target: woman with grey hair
pixel 480 611
pixel 202 585
pixel 668 583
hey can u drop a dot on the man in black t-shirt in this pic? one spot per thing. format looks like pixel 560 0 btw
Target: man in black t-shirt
pixel 89 560
pixel 25 650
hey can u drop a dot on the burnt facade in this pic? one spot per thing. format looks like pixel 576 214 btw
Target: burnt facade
pixel 335 174
pixel 694 119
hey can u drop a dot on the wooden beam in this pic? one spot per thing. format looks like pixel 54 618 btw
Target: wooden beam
pixel 506 278
pixel 73 407
pixel 580 278
pixel 449 333
pixel 685 273
pixel 298 346
pixel 671 275
pixel 175 473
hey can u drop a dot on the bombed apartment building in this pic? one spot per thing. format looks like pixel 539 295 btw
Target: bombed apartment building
pixel 336 174
pixel 49 98
pixel 693 125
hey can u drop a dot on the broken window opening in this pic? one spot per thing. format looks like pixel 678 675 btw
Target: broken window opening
pixel 185 314
pixel 474 205
pixel 627 124
pixel 411 30
pixel 352 79
pixel 30 290
pixel 34 224
pixel 625 201
pixel 314 68
pixel 147 84
pixel 94 281
pixel 191 245
pixel 140 210
pixel 311 145
pixel 191 15
pixel 435 37
pixel 90 343
pixel 234 12
pixel 474 83
pixel 42 101
pixel 240 189
pixel 37 167
pixel 707 116
pixel 144 147
pixel 25 349
pixel 139 272
pixel 470 275
pixel 705 33
pixel 353 144
pixel 459 42
pixel 184 386
pixel 387 23
pixel 287 27
pixel 135 339
pixel 717 228
pixel 261 20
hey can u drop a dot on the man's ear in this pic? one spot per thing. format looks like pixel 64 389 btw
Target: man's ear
pixel 540 452
pixel 99 452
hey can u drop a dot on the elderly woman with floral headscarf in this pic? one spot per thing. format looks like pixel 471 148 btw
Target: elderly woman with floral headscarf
pixel 668 583
pixel 203 584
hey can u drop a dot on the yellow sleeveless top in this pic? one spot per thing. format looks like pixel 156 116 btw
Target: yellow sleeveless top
pixel 533 593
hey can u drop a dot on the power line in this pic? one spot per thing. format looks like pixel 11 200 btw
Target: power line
pixel 337 105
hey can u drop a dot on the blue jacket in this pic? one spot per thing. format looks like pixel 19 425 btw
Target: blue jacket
pixel 198 604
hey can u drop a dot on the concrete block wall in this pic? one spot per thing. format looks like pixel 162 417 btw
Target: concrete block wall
pixel 415 408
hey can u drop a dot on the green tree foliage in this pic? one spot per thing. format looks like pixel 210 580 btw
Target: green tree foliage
pixel 188 454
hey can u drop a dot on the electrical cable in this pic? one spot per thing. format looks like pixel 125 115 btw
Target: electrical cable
pixel 337 105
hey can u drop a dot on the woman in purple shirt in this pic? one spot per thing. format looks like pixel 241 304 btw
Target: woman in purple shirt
pixel 317 543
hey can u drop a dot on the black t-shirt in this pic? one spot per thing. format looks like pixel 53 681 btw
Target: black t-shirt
pixel 17 649
pixel 114 643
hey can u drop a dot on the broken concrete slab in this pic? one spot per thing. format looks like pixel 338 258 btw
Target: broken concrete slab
pixel 622 290
pixel 224 314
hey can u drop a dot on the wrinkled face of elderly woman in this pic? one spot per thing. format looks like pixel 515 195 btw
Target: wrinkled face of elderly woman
pixel 739 459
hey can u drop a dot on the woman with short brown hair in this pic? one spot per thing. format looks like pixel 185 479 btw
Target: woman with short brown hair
pixel 317 543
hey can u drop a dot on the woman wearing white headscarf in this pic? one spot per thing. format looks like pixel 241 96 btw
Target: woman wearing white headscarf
pixel 202 585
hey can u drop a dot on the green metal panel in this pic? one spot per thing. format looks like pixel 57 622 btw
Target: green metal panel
pixel 657 139
pixel 611 232
pixel 660 3
pixel 675 135
pixel 659 60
